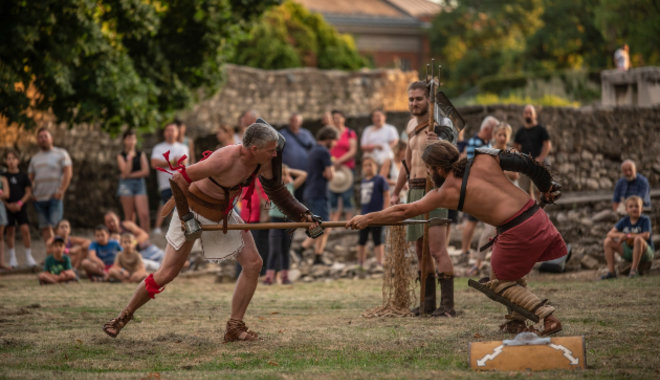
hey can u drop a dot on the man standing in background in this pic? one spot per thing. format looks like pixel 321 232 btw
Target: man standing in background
pixel 50 172
pixel 532 139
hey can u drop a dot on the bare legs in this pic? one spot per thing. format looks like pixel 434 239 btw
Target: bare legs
pixel 137 206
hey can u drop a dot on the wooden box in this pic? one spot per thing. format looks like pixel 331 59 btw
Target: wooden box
pixel 528 352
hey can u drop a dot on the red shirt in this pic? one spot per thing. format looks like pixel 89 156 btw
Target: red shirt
pixel 252 215
pixel 344 145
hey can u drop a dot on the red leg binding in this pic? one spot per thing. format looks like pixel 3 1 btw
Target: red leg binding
pixel 151 286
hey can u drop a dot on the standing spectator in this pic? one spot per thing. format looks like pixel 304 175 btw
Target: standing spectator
pixel 101 254
pixel 532 139
pixel 632 183
pixel 4 195
pixel 247 118
pixel 132 191
pixel 326 119
pixel 343 154
pixel 20 191
pixel 50 172
pixel 128 266
pixel 279 239
pixel 622 58
pixel 320 172
pixel 630 238
pixel 299 141
pixel 185 140
pixel 391 168
pixel 481 139
pixel 380 138
pixel 58 266
pixel 374 196
pixel 176 152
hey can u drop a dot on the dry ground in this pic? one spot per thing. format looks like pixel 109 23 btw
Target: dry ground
pixel 309 331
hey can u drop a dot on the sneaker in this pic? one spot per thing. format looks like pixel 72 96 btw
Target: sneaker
pixel 12 261
pixel 157 231
pixel 268 281
pixel 463 259
pixel 608 276
pixel 318 260
pixel 633 274
pixel 30 261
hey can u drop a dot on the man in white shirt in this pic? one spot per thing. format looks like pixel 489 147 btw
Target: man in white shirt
pixel 176 152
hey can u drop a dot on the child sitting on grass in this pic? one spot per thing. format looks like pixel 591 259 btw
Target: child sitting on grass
pixel 58 266
pixel 75 247
pixel 630 238
pixel 128 266
pixel 374 196
pixel 101 255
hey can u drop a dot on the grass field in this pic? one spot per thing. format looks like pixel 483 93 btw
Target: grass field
pixel 309 331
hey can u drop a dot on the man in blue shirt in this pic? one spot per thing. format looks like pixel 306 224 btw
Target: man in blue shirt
pixel 299 141
pixel 630 184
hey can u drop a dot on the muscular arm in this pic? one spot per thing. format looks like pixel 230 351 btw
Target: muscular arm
pixel 398 213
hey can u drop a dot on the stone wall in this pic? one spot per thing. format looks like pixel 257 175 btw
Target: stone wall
pixel 310 92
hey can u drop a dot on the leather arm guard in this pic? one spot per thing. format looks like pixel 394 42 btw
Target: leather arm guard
pixel 522 163
pixel 191 228
pixel 289 205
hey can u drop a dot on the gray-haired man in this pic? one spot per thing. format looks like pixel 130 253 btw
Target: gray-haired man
pixel 210 187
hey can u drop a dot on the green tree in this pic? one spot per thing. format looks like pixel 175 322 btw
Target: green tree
pixel 291 36
pixel 482 38
pixel 635 22
pixel 115 62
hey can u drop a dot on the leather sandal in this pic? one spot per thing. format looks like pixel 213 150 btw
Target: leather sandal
pixel 551 325
pixel 515 326
pixel 114 326
pixel 238 331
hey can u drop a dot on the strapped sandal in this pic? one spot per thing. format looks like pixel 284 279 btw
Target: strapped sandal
pixel 114 326
pixel 238 331
pixel 551 325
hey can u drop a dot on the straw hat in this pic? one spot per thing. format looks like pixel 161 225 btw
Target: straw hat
pixel 342 180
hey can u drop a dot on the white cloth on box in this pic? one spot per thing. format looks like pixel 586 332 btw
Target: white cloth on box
pixel 216 245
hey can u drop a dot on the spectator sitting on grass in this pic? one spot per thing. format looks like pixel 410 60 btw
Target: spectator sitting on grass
pixel 128 266
pixel 630 238
pixel 58 266
pixel 75 247
pixel 101 254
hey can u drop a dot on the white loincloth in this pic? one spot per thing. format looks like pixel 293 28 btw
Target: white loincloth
pixel 216 245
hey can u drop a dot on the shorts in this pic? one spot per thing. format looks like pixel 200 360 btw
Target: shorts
pixel 3 215
pixel 346 197
pixel 416 231
pixel 216 245
pixel 131 187
pixel 628 253
pixel 17 218
pixel 319 207
pixel 49 212
pixel 517 249
pixel 376 235
pixel 165 195
pixel 106 267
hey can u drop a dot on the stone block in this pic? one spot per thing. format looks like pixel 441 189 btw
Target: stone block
pixel 589 262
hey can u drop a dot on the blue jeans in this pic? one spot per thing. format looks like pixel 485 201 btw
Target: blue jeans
pixel 49 212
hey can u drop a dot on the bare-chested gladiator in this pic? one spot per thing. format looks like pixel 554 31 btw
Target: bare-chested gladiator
pixel 418 138
pixel 207 190
pixel 525 233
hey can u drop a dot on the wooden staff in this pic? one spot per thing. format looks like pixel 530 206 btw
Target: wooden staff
pixel 289 225
pixel 426 265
